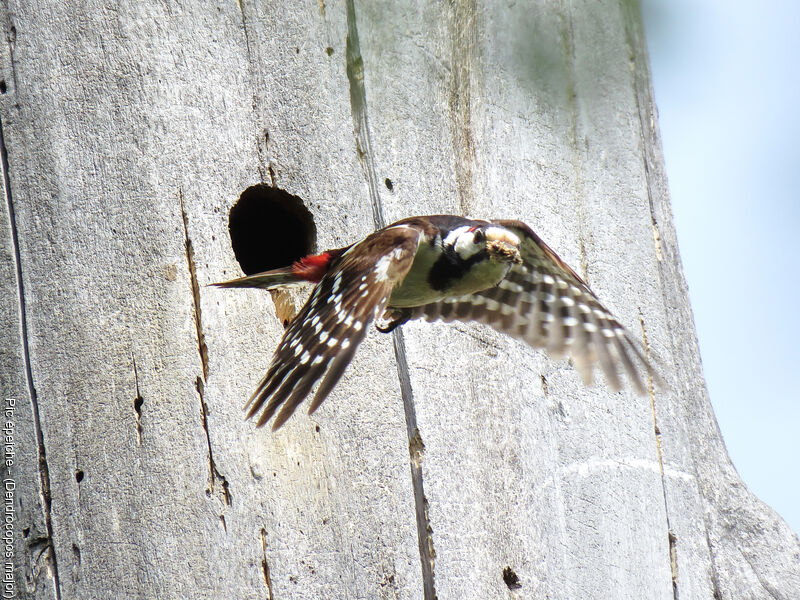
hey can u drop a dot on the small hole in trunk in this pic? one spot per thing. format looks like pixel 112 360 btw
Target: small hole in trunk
pixel 511 579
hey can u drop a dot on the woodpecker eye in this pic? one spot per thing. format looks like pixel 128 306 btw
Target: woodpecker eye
pixel 479 236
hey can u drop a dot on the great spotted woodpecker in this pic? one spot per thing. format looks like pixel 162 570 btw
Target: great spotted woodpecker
pixel 437 267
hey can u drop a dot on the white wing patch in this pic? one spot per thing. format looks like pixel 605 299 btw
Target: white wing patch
pixel 383 264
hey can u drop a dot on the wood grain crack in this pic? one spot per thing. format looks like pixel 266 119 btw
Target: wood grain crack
pixel 641 83
pixel 671 538
pixel 576 158
pixel 765 585
pixel 202 348
pixel 464 33
pixel 214 476
pixel 265 564
pixel 11 40
pixel 138 401
pixel 44 470
pixel 358 107
pixel 265 166
pixel 416 449
pixel 222 491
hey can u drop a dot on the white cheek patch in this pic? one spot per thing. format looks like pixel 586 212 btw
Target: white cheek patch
pixel 452 237
pixel 466 246
pixel 462 241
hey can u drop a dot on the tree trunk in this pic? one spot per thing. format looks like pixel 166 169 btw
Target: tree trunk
pixel 128 133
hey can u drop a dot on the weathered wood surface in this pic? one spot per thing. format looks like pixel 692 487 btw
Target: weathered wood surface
pixel 132 129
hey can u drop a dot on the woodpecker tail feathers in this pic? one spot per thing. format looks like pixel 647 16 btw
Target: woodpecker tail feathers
pixel 311 268
pixel 267 280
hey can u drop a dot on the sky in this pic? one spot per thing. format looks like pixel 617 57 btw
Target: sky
pixel 726 76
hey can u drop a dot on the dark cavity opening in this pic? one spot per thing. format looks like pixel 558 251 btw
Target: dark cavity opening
pixel 270 228
pixel 511 579
pixel 78 475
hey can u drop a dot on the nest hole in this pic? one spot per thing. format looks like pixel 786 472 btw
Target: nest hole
pixel 270 228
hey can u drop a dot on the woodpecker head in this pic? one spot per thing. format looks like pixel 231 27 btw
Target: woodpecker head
pixel 468 242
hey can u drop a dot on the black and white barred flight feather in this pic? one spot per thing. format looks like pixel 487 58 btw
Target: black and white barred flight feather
pixel 437 267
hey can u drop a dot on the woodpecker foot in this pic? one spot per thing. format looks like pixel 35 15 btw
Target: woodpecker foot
pixel 392 318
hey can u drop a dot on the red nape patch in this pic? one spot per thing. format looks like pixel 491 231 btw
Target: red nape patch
pixel 313 267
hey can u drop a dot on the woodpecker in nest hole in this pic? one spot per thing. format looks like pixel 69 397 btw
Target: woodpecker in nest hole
pixel 436 267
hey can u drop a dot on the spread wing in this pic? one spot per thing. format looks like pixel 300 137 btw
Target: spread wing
pixel 545 303
pixel 323 337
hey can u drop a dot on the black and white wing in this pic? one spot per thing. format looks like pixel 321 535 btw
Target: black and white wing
pixel 545 303
pixel 323 337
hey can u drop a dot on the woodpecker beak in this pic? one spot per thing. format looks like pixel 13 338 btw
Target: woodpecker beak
pixel 502 245
pixel 503 252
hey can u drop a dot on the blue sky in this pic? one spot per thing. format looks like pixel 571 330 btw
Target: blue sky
pixel 727 85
